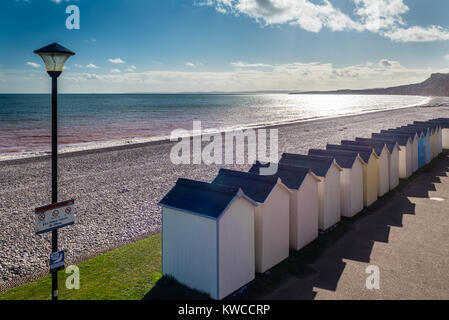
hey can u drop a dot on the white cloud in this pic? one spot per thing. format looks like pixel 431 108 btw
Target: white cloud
pixel 291 76
pixel 131 68
pixel 418 34
pixel 116 61
pixel 32 64
pixel 446 57
pixel 190 64
pixel 115 71
pixel 241 64
pixel 385 63
pixel 384 17
pixel 78 65
pixel 91 66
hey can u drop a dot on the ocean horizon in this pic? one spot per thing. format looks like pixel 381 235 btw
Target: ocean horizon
pixel 89 121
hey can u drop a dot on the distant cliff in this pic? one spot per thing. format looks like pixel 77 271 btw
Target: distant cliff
pixel 436 85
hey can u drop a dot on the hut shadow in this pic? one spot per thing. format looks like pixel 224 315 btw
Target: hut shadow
pixel 321 264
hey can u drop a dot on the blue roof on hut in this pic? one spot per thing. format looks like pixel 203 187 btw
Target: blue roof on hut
pixel 369 141
pixel 427 124
pixel 364 151
pixel 345 159
pixel 411 134
pixel 319 165
pixel 401 139
pixel 199 197
pixel 419 130
pixel 378 148
pixel 253 185
pixel 443 122
pixel 291 176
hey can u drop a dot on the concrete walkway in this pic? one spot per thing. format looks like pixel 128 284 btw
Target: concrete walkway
pixel 407 237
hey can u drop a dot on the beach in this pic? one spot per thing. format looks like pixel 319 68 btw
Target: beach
pixel 117 189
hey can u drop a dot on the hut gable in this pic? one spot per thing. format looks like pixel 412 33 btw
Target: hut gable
pixel 256 187
pixel 391 145
pixel 319 165
pixel 412 134
pixel 401 139
pixel 291 176
pixel 345 159
pixel 377 147
pixel 364 152
pixel 200 198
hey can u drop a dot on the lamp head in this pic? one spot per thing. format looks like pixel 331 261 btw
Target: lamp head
pixel 54 57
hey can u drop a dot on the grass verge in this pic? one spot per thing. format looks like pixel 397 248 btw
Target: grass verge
pixel 127 273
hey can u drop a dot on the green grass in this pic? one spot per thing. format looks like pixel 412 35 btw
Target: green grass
pixel 127 273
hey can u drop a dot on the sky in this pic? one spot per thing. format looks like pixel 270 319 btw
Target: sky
pixel 133 46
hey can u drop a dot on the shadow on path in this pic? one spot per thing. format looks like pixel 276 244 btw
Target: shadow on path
pixel 321 264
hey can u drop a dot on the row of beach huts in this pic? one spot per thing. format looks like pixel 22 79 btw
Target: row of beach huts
pixel 216 236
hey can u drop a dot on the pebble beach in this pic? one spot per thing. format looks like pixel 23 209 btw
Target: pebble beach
pixel 117 189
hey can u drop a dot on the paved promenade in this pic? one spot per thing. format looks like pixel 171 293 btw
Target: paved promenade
pixel 407 237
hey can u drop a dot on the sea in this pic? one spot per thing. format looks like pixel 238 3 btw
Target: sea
pixel 89 121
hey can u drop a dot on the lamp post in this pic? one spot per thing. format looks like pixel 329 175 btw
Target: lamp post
pixel 54 57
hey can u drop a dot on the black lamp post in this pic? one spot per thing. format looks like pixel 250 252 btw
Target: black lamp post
pixel 54 56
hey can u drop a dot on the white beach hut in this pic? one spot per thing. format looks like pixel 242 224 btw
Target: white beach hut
pixel 405 151
pixel 272 214
pixel 208 237
pixel 303 184
pixel 414 140
pixel 444 123
pixel 393 157
pixel 370 171
pixel 328 172
pixel 351 179
pixel 383 171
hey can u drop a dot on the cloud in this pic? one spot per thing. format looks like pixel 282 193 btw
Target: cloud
pixel 241 64
pixel 115 71
pixel 78 65
pixel 91 66
pixel 32 64
pixel 290 76
pixel 383 17
pixel 385 63
pixel 131 68
pixel 190 64
pixel 446 57
pixel 418 34
pixel 116 61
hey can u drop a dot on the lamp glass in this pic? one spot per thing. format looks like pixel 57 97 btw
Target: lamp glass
pixel 54 61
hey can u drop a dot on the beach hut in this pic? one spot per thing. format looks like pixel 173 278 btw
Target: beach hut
pixel 444 123
pixel 272 214
pixel 370 170
pixel 427 131
pixel 328 172
pixel 393 157
pixel 414 139
pixel 382 164
pixel 405 151
pixel 421 134
pixel 351 179
pixel 208 237
pixel 436 136
pixel 303 184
